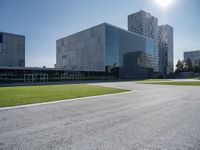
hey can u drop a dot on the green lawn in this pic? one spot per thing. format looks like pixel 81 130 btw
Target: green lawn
pixel 184 83
pixel 12 96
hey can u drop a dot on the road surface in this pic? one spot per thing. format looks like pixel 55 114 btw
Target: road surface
pixel 151 117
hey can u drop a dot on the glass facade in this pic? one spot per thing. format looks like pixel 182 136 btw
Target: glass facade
pixel 194 56
pixel 166 50
pixel 83 51
pixel 103 48
pixel 145 24
pixel 1 43
pixel 149 53
pixel 119 42
pixel 112 46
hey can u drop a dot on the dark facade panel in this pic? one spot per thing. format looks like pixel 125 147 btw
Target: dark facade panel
pixel 12 50
pixel 1 42
pixel 20 74
pixel 133 66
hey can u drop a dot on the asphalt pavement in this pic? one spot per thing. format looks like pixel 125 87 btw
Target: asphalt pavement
pixel 151 117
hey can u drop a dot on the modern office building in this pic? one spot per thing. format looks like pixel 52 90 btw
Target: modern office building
pixel 194 56
pixel 101 52
pixel 107 48
pixel 145 24
pixel 166 49
pixel 12 50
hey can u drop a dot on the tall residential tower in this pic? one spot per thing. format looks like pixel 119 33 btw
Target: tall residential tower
pixel 145 24
pixel 166 49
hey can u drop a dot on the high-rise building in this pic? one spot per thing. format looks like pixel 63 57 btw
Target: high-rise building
pixel 145 24
pixel 166 49
pixel 105 47
pixel 12 50
pixel 194 56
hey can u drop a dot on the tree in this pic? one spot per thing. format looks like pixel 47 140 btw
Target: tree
pixel 197 66
pixel 188 65
pixel 179 66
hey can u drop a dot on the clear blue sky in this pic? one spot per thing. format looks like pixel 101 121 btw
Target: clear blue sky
pixel 44 21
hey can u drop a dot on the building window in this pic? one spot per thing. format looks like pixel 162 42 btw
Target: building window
pixel 64 56
pixel 21 63
pixel 1 48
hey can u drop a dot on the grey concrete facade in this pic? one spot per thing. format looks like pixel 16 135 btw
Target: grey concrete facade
pixel 145 24
pixel 12 50
pixel 166 49
pixel 194 56
pixel 83 51
pixel 102 47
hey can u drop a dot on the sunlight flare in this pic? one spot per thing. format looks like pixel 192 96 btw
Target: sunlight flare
pixel 164 3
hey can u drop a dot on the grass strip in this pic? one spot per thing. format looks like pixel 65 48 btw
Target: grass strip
pixel 21 95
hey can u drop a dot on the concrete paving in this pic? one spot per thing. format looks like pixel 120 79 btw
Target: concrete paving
pixel 151 117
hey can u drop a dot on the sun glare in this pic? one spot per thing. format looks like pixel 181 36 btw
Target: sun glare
pixel 164 3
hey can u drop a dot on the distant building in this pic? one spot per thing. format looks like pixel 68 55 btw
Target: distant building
pixel 104 48
pixel 145 24
pixel 194 56
pixel 166 49
pixel 12 50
